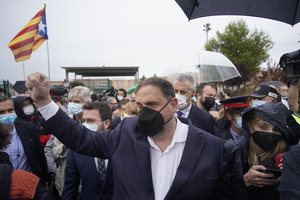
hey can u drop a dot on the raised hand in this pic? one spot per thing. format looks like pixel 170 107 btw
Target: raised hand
pixel 39 90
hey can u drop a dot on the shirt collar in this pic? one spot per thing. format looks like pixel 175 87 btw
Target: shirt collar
pixel 186 111
pixel 179 136
pixel 13 132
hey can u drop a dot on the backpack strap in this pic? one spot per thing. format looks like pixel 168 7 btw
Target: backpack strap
pixel 5 181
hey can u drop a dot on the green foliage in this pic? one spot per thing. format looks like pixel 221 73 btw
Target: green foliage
pixel 247 49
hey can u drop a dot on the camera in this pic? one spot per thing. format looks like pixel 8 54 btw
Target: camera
pixel 290 62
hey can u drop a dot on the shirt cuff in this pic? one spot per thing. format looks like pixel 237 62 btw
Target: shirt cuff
pixel 48 110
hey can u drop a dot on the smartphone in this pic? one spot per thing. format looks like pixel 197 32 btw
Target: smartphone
pixel 275 172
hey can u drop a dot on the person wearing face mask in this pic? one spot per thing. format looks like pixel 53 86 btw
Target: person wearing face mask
pixel 265 135
pixel 84 169
pixel 121 94
pixel 25 150
pixel 77 97
pixel 184 87
pixel 266 94
pixel 206 99
pixel 230 126
pixel 154 155
pixel 25 110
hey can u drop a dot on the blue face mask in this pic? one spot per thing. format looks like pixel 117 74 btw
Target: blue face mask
pixel 92 127
pixel 75 108
pixel 8 119
pixel 239 122
pixel 257 102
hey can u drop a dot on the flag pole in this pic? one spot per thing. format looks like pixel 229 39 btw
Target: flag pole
pixel 23 70
pixel 48 60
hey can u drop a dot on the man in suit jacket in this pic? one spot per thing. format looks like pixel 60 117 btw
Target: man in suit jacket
pixel 184 86
pixel 25 150
pixel 96 116
pixel 154 156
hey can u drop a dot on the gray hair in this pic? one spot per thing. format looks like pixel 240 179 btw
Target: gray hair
pixel 82 92
pixel 186 77
pixel 110 99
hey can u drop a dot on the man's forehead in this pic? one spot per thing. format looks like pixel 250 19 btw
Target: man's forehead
pixel 91 114
pixel 149 93
pixel 6 103
pixel 210 89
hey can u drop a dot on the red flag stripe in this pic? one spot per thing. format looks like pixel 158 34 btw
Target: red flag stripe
pixel 38 40
pixel 27 29
pixel 24 53
pixel 22 43
pixel 39 14
pixel 27 39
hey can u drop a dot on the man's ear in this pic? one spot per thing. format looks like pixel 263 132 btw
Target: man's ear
pixel 174 103
pixel 106 123
pixel 198 95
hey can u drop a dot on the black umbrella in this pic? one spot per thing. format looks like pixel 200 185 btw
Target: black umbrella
pixel 20 87
pixel 287 11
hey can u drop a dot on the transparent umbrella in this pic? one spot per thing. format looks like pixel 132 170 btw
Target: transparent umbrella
pixel 215 67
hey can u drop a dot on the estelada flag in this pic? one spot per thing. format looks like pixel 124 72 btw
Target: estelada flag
pixel 30 37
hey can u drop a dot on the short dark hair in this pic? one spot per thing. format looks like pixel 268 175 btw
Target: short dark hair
pixel 103 109
pixel 122 103
pixel 6 98
pixel 124 91
pixel 201 86
pixel 164 85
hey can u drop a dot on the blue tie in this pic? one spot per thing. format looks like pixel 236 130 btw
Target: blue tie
pixel 179 114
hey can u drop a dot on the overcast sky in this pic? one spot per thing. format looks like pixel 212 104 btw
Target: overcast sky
pixel 152 34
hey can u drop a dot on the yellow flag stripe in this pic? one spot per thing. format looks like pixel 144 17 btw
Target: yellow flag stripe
pixel 23 58
pixel 23 48
pixel 23 37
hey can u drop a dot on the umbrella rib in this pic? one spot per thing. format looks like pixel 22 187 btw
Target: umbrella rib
pixel 195 3
pixel 295 13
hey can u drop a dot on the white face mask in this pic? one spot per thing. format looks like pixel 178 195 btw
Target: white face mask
pixel 182 104
pixel 74 108
pixel 92 127
pixel 120 98
pixel 28 110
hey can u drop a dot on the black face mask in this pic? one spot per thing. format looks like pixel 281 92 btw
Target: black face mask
pixel 151 121
pixel 266 140
pixel 208 103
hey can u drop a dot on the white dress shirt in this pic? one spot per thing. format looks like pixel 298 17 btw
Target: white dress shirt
pixel 164 164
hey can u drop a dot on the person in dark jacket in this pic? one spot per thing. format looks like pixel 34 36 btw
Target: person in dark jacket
pixel 25 150
pixel 230 126
pixel 25 110
pixel 289 187
pixel 17 184
pixel 184 86
pixel 264 136
pixel 85 170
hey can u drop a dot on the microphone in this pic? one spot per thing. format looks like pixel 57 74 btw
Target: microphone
pixel 279 161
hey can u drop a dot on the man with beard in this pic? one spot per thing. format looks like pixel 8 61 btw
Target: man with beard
pixel 95 180
pixel 154 156
pixel 206 96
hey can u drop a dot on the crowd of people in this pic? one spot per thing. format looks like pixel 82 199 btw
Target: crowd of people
pixel 170 139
